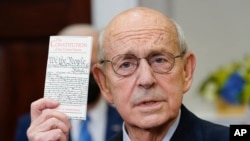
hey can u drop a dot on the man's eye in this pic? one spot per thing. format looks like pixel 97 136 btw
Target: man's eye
pixel 125 65
pixel 159 60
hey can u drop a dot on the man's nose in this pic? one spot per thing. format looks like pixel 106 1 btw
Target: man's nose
pixel 145 74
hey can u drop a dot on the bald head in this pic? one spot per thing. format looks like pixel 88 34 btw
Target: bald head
pixel 139 17
pixel 140 22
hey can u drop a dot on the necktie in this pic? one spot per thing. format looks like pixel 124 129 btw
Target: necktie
pixel 84 133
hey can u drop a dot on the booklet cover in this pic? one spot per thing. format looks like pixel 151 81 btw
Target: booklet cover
pixel 67 74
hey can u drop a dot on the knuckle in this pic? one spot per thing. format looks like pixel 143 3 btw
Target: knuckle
pixel 33 105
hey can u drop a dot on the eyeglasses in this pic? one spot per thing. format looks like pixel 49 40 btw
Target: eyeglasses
pixel 126 64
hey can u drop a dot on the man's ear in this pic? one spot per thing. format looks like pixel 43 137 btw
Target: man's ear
pixel 189 67
pixel 100 79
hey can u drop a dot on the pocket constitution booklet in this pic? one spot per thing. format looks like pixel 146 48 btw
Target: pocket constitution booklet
pixel 67 74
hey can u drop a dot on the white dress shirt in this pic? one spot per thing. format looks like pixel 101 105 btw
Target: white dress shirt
pixel 96 125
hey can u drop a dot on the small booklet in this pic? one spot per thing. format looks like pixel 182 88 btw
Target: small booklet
pixel 67 74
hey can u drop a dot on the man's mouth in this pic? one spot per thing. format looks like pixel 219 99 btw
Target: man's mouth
pixel 148 103
pixel 149 106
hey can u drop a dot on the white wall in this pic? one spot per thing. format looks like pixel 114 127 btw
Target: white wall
pixel 164 6
pixel 104 10
pixel 218 32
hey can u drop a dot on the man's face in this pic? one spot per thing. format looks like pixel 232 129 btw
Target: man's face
pixel 144 99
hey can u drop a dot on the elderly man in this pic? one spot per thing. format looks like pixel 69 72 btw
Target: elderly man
pixel 144 69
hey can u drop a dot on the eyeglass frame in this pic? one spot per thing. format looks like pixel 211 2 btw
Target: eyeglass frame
pixel 146 58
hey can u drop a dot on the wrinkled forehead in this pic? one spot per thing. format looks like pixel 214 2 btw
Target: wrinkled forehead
pixel 139 22
pixel 138 18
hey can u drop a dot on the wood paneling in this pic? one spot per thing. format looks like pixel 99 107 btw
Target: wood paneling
pixel 25 27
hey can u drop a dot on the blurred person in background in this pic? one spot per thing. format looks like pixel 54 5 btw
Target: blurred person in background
pixel 104 120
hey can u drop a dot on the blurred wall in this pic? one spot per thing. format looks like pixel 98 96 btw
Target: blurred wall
pixel 218 32
pixel 25 27
pixel 104 10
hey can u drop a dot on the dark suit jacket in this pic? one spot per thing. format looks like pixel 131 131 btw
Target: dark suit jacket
pixel 192 128
pixel 114 125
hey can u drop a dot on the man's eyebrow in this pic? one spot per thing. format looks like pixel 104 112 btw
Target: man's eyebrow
pixel 151 52
pixel 155 52
pixel 129 52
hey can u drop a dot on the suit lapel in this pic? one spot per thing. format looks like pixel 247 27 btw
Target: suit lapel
pixel 187 128
pixel 114 122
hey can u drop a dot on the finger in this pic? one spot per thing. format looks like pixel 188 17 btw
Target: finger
pixel 54 123
pixel 49 114
pixel 49 121
pixel 38 106
pixel 52 113
pixel 51 135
